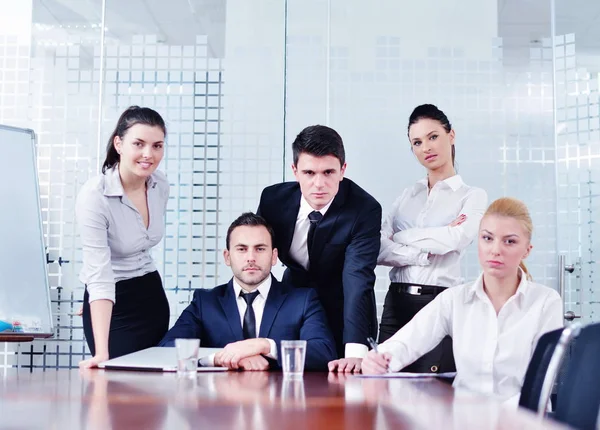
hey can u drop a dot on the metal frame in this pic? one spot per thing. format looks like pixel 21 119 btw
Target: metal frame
pixel 41 227
pixel 568 334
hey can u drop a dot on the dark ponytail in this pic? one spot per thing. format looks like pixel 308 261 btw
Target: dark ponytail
pixel 429 111
pixel 133 115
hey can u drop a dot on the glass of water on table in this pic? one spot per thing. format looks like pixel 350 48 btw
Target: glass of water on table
pixel 187 357
pixel 293 354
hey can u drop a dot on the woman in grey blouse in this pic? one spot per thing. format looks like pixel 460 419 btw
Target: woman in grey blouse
pixel 120 215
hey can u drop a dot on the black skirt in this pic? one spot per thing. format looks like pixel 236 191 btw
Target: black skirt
pixel 398 309
pixel 140 316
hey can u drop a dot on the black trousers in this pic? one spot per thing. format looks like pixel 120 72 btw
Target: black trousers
pixel 398 309
pixel 140 316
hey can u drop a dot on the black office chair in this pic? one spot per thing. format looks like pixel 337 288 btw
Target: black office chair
pixel 578 396
pixel 544 367
pixel 537 370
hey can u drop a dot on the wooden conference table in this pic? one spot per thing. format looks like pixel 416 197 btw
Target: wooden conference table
pixel 97 399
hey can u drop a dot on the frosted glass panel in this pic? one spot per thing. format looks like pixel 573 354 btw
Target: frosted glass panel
pixel 362 69
pixel 577 50
pixel 237 80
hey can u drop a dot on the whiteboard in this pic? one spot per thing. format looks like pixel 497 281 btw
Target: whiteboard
pixel 24 287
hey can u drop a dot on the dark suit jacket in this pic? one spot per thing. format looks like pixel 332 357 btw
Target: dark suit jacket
pixel 343 256
pixel 289 314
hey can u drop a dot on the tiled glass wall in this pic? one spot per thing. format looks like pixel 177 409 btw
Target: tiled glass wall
pixel 362 71
pixel 223 104
pixel 57 95
pixel 237 80
pixel 577 75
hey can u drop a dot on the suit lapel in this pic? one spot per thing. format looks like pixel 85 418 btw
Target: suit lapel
pixel 325 228
pixel 275 299
pixel 289 214
pixel 230 308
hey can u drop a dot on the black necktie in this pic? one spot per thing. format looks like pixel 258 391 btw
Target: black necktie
pixel 249 327
pixel 314 218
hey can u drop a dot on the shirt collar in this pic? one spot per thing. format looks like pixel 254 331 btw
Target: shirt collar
pixel 112 182
pixel 476 289
pixel 113 187
pixel 263 288
pixel 453 182
pixel 306 208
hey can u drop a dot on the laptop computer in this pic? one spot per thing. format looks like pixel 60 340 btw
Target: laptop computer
pixel 157 359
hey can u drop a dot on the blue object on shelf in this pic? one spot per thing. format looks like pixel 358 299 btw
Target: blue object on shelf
pixel 4 326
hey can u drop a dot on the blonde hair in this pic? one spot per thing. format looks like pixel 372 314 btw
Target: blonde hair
pixel 516 209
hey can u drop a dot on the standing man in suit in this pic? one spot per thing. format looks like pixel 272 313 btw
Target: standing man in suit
pixel 327 231
pixel 253 313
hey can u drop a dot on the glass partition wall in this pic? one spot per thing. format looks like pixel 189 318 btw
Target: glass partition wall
pixel 237 80
pixel 577 126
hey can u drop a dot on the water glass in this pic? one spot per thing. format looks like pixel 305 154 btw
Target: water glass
pixel 293 353
pixel 187 357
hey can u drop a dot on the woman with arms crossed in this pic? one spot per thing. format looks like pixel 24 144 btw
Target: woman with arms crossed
pixel 120 214
pixel 494 322
pixel 427 231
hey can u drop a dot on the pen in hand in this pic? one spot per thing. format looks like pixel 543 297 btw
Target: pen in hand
pixel 372 344
pixel 375 349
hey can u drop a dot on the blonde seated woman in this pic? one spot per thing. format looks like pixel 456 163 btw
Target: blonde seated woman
pixel 494 322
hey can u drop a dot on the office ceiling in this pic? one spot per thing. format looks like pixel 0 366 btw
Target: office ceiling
pixel 174 22
pixel 178 22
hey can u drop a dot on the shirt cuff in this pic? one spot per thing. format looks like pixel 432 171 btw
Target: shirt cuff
pixel 273 353
pixel 416 255
pixel 513 402
pixel 356 350
pixel 398 237
pixel 423 259
pixel 208 361
pixel 101 291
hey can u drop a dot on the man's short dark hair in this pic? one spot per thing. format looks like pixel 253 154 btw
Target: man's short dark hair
pixel 253 220
pixel 319 141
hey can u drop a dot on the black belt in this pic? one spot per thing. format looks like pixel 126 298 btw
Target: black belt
pixel 416 289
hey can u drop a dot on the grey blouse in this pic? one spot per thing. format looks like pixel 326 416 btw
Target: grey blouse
pixel 116 244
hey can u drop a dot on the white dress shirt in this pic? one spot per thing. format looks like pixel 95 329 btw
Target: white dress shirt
pixel 258 305
pixel 299 246
pixel 491 351
pixel 417 225
pixel 299 252
pixel 115 242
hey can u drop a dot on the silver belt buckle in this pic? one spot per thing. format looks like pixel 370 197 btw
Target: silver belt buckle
pixel 414 290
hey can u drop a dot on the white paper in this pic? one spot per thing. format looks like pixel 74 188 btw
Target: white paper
pixel 408 375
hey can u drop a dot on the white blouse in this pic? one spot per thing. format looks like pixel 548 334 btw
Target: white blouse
pixel 115 242
pixel 417 225
pixel 491 351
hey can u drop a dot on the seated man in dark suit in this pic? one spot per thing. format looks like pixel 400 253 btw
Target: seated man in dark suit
pixel 327 232
pixel 251 334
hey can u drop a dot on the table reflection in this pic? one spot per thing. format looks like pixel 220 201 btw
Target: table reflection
pixel 114 404
pixel 98 399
